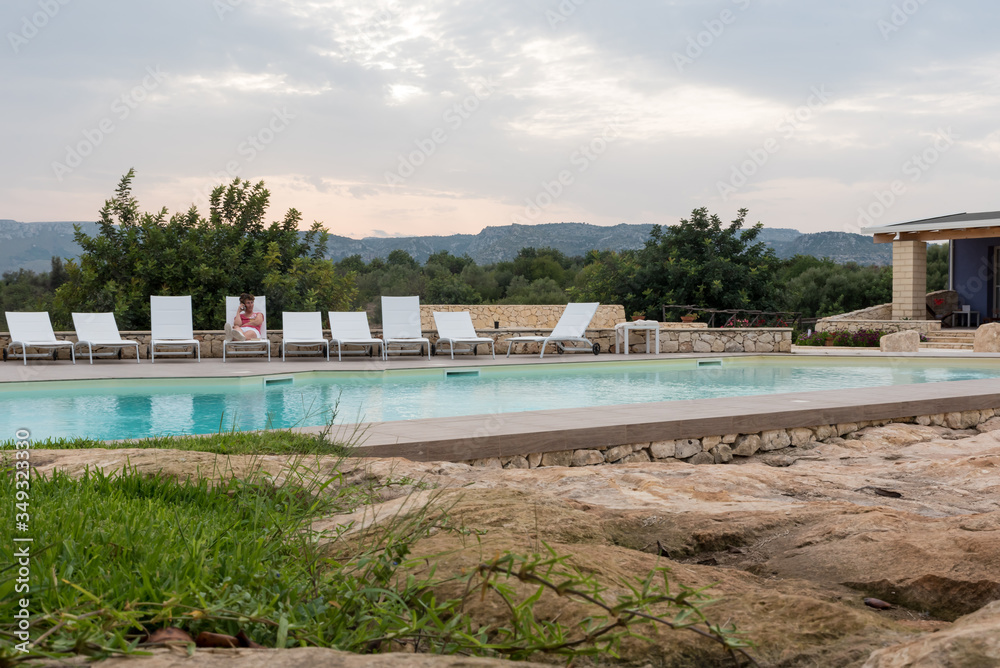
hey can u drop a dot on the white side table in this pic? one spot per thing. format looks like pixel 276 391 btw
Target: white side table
pixel 622 330
pixel 968 315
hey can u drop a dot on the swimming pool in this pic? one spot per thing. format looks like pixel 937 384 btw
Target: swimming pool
pixel 133 408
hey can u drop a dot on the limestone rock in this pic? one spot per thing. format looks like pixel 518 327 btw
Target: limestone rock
pixel 686 448
pixel 801 436
pixel 517 462
pixel 488 463
pixel 639 456
pixel 824 432
pixel 587 458
pixel 617 452
pixel 987 339
pixel 534 460
pixel 993 424
pixel 777 546
pixel 559 458
pixel 709 442
pixel 746 445
pixel 907 341
pixel 846 428
pixel 665 449
pixel 973 640
pixel 702 458
pixel 774 439
pixel 722 454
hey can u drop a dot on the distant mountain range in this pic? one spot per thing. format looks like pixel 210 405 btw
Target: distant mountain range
pixel 32 245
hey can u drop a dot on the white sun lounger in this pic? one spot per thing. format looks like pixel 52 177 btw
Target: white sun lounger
pixel 571 328
pixel 33 329
pixel 99 330
pixel 350 328
pixel 401 326
pixel 303 329
pixel 261 346
pixel 171 327
pixel 455 328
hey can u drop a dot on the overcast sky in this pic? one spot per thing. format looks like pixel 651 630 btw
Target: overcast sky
pixel 442 117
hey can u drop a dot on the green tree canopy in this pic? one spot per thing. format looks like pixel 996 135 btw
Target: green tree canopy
pixel 136 255
pixel 699 261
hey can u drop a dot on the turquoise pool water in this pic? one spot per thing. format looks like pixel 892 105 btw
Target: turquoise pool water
pixel 138 408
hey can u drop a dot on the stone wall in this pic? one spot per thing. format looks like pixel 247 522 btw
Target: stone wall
pixel 941 302
pixel 514 316
pixel 721 449
pixel 674 338
pixel 726 340
pixel 888 326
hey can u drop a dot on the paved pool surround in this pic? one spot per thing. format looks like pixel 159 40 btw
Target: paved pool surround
pixel 624 433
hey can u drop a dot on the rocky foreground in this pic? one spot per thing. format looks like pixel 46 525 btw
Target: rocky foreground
pixel 793 542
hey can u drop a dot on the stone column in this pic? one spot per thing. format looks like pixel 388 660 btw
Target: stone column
pixel 909 280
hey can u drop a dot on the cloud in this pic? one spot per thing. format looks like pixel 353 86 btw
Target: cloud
pixel 368 87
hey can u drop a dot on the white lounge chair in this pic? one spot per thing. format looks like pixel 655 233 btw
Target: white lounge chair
pixel 571 328
pixel 302 330
pixel 261 346
pixel 171 327
pixel 33 329
pixel 401 325
pixel 455 327
pixel 99 330
pixel 350 328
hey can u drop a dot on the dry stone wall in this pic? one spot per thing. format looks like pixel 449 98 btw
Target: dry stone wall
pixel 722 449
pixel 941 302
pixel 674 338
pixel 514 316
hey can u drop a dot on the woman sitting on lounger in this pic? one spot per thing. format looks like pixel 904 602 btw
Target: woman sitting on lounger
pixel 246 325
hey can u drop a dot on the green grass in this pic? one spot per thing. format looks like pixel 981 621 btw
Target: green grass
pixel 117 555
pixel 227 443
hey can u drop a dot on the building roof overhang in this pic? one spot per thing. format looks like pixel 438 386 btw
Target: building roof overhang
pixel 942 228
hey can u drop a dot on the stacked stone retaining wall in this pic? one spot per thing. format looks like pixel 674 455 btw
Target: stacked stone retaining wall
pixel 941 302
pixel 514 316
pixel 676 338
pixel 722 449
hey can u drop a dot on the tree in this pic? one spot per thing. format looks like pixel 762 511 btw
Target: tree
pixel 135 255
pixel 937 266
pixel 607 277
pixel 703 263
pixel 818 288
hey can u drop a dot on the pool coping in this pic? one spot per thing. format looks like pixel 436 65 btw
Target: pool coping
pixel 504 435
pixel 501 435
